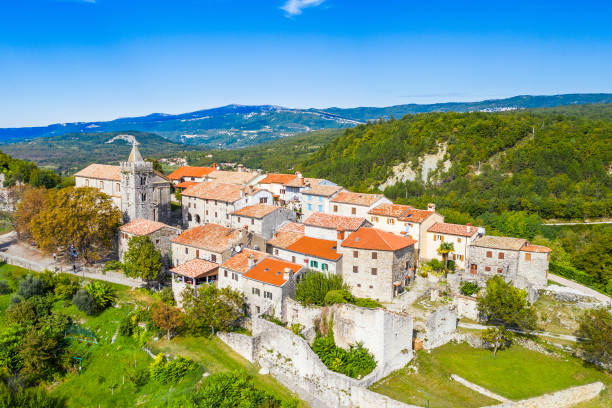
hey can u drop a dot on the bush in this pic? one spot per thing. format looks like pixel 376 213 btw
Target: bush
pixel 85 302
pixel 113 266
pixel 314 286
pixel 102 293
pixel 356 362
pixel 21 313
pixel 468 288
pixel 139 377
pixel 30 286
pixel 579 276
pixel 367 302
pixel 4 288
pixel 29 398
pixel 65 291
pixel 169 372
pixel 338 296
pixel 167 296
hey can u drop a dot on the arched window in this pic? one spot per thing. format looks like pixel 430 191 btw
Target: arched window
pixel 197 218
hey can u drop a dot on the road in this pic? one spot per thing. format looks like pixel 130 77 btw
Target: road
pixel 580 223
pixel 574 285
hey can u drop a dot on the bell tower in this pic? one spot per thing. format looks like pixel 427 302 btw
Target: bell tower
pixel 137 187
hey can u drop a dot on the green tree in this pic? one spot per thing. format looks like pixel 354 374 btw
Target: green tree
pixel 506 306
pixel 315 285
pixel 81 216
pixel 167 318
pixel 142 259
pixel 497 338
pixel 595 335
pixel 212 308
pixel 445 249
pixel 85 302
pixel 44 178
pixel 102 293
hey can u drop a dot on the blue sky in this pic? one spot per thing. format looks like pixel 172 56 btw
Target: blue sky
pixel 76 60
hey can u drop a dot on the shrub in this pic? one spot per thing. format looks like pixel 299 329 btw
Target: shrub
pixel 4 288
pixel 31 286
pixel 468 288
pixel 594 334
pixel 367 302
pixel 338 296
pixel 139 377
pixel 85 302
pixel 113 266
pixel 102 292
pixel 166 371
pixel 65 291
pixel 21 313
pixel 355 362
pixel 314 286
pixel 167 296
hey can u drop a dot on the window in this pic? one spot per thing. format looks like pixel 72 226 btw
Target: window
pixel 309 207
pixel 488 268
pixel 216 216
pixel 374 219
pixel 276 252
pixel 255 291
pixel 267 295
pixel 528 257
pixel 458 239
pixel 252 221
pixel 390 221
pixel 324 267
pixel 238 219
pixel 234 276
pixel 189 218
pixel 359 285
pixel 225 273
pixel 371 287
pixel 213 258
pixel 187 251
pixel 489 254
pixel 293 259
pixel 320 208
pixel 206 212
pixel 461 257
pixel 374 255
pixel 257 308
pixel 309 197
pixel 500 255
pixel 355 254
pixel 320 199
pixel 335 208
pixel 353 211
pixel 143 197
pixel 118 187
pixel 263 200
pixel 102 185
pixel 374 271
pixel 314 264
pixel 197 253
pixel 355 269
pixel 499 270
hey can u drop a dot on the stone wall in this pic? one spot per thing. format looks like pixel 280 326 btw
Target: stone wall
pixel 466 306
pixel 440 327
pixel 241 344
pixel 560 399
pixel 295 313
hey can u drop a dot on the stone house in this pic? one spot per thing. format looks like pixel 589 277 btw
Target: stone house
pixel 461 236
pixel 192 274
pixel 332 227
pixel 352 204
pixel 317 199
pixel 215 202
pixel 231 272
pixel 261 219
pixel 314 253
pixel 243 178
pixel 160 234
pixel 513 258
pixel 406 220
pixel 135 187
pixel 377 264
pixel 268 283
pixel 296 187
pixel 211 242
pixel 275 183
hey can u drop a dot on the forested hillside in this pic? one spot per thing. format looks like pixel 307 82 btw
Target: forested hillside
pixel 544 163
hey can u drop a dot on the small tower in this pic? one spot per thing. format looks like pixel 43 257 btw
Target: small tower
pixel 137 187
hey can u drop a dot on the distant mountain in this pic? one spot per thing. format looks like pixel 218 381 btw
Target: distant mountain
pixel 240 126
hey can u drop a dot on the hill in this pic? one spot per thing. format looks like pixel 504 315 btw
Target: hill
pixel 236 126
pixel 69 153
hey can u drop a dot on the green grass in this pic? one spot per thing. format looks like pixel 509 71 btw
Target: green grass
pixel 557 317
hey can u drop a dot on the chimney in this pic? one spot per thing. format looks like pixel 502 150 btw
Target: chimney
pixel 340 235
pixel 214 166
pixel 431 207
pixel 287 273
pixel 251 261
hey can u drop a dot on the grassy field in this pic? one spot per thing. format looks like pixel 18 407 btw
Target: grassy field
pixel 557 317
pixel 516 373
pixel 104 380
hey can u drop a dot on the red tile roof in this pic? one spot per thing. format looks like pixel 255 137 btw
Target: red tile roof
pixel 375 239
pixel 321 248
pixel 271 271
pixel 535 248
pixel 283 239
pixel 196 268
pixel 234 177
pixel 416 216
pixel 190 171
pixel 140 226
pixel 186 184
pixel 292 227
pixel 301 182
pixel 256 210
pixel 348 197
pixel 213 190
pixel 495 242
pixel 277 178
pixel 240 261
pixel 453 229
pixel 389 210
pixel 213 237
pixel 334 221
pixel 101 171
pixel 322 190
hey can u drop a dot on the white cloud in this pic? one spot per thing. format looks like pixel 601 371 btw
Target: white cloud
pixel 294 7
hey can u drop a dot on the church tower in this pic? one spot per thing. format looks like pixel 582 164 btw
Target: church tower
pixel 137 187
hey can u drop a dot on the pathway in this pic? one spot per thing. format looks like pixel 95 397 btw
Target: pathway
pixel 476 326
pixel 575 285
pixel 580 223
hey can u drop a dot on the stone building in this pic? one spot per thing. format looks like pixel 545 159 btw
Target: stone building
pixel 243 177
pixel 296 188
pixel 513 258
pixel 317 199
pixel 160 234
pixel 135 187
pixel 187 174
pixel 352 204
pixel 314 253
pixel 214 202
pixel 377 264
pixel 192 274
pixel 275 183
pixel 461 236
pixel 332 227
pixel 261 219
pixel 211 242
pixel 231 272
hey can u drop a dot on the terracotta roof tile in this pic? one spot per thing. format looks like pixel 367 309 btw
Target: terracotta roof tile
pixel 300 182
pixel 140 226
pixel 240 261
pixel 335 221
pixel 348 197
pixel 283 239
pixel 233 177
pixel 453 229
pixel 509 243
pixel 321 248
pixel 277 178
pixel 416 216
pixel 389 210
pixel 190 171
pixel 196 268
pixel 271 271
pixel 322 190
pixel 101 171
pixel 375 239
pixel 292 227
pixel 213 237
pixel 535 248
pixel 212 190
pixel 186 184
pixel 256 210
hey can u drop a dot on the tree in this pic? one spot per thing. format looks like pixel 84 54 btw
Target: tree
pixel 142 259
pixel 167 318
pixel 81 216
pixel 445 249
pixel 315 285
pixel 85 302
pixel 44 178
pixel 595 335
pixel 30 286
pixel 506 306
pixel 497 338
pixel 102 293
pixel 212 308
pixel 32 201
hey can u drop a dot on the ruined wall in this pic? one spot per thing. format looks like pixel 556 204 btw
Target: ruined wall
pixel 241 344
pixel 466 306
pixel 560 399
pixel 440 327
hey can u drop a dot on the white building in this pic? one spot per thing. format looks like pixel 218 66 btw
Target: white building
pixel 317 199
pixel 332 227
pixel 211 242
pixel 231 272
pixel 461 236
pixel 313 253
pixel 261 219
